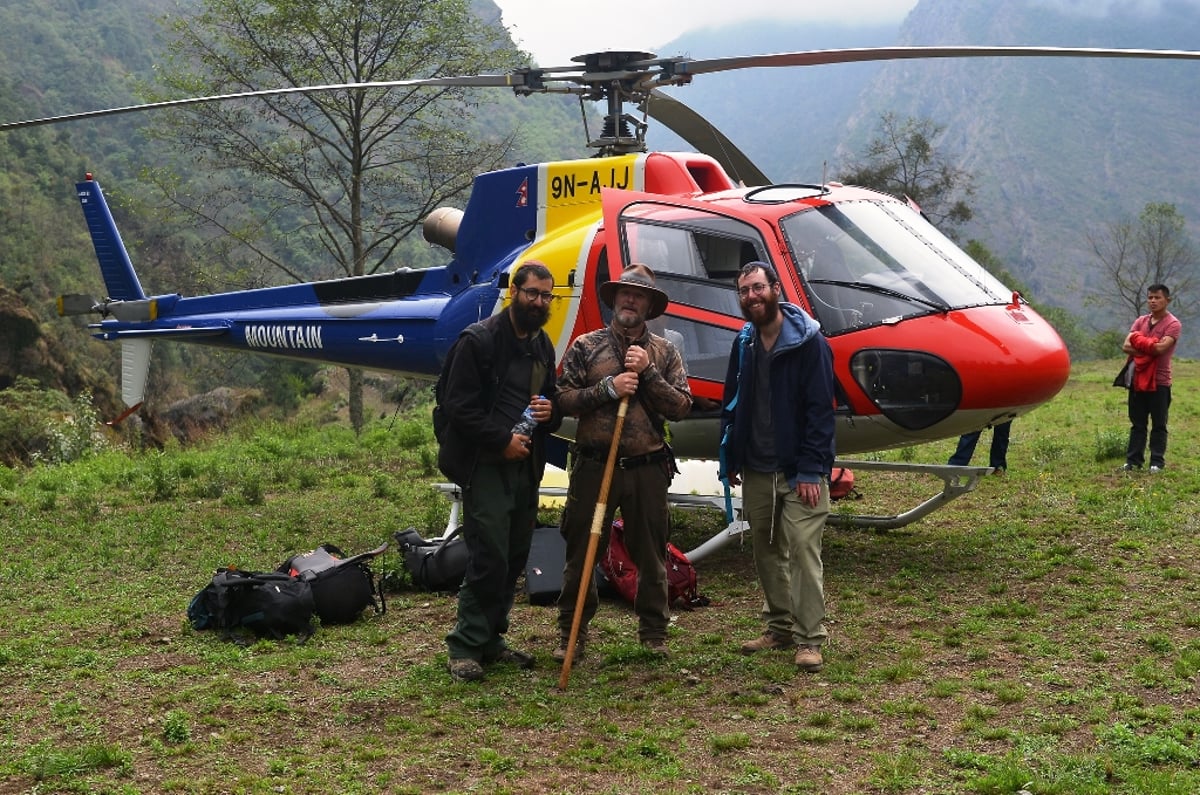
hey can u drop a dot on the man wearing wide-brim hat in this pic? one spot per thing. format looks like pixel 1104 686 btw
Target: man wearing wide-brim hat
pixel 640 276
pixel 600 369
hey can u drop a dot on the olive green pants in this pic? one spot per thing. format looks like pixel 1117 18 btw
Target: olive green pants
pixel 641 494
pixel 786 535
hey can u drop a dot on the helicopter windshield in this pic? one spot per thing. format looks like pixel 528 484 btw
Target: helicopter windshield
pixel 867 263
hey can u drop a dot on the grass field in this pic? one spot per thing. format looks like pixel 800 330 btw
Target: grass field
pixel 1039 635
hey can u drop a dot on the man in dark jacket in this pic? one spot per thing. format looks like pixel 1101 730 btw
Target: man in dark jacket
pixel 777 441
pixel 498 370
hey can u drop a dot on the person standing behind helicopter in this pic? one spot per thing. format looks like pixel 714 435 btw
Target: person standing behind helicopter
pixel 997 455
pixel 1150 343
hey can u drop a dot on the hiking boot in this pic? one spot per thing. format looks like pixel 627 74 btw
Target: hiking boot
pixel 518 658
pixel 464 669
pixel 657 646
pixel 560 653
pixel 768 641
pixel 808 658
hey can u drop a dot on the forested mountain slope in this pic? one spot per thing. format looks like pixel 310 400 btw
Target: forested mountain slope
pixel 1059 147
pixel 64 56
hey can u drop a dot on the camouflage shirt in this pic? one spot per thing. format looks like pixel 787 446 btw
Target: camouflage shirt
pixel 663 393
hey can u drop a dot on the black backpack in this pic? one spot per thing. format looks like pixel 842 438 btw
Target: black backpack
pixel 436 565
pixel 268 604
pixel 342 587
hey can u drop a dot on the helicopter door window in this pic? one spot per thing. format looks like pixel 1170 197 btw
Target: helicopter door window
pixel 665 249
pixel 696 256
pixel 700 252
pixel 704 347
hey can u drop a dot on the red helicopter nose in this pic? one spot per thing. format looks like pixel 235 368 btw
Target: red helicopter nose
pixel 946 374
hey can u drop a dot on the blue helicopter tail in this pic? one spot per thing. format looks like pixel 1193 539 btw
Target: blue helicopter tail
pixel 122 285
pixel 119 278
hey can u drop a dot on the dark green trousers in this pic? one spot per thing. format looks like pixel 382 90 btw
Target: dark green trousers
pixel 499 513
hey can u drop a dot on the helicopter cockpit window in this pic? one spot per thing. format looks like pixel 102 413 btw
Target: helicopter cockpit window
pixel 695 256
pixel 866 263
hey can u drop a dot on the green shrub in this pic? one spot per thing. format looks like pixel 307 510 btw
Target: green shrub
pixel 1110 444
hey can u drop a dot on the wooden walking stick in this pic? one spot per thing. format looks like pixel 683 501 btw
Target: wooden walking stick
pixel 589 560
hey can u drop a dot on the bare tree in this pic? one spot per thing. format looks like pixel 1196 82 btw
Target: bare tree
pixel 316 183
pixel 1134 254
pixel 903 161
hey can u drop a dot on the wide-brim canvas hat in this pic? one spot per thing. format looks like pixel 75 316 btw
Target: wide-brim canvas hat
pixel 639 276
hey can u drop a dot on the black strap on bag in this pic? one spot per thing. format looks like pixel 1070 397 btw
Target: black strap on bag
pixel 1124 378
pixel 488 347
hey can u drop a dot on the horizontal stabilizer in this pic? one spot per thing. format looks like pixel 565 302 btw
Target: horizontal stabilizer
pixel 77 304
pixel 141 310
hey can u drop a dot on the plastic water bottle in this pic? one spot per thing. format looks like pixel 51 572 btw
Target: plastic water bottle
pixel 527 424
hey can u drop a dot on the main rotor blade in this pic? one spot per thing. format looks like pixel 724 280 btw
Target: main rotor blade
pixel 667 71
pixel 486 81
pixel 866 54
pixel 697 131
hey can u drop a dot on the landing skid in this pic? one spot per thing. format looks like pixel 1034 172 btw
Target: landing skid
pixel 956 481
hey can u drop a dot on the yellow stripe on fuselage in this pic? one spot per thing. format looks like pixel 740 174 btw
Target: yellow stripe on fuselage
pixel 568 212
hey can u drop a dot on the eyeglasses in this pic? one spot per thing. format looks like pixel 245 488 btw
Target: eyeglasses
pixel 533 294
pixel 757 289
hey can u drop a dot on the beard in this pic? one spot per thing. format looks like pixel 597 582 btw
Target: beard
pixel 529 317
pixel 763 313
pixel 628 318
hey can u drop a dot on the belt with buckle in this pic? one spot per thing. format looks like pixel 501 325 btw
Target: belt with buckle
pixel 628 462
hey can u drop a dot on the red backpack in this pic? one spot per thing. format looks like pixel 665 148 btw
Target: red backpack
pixel 841 483
pixel 620 572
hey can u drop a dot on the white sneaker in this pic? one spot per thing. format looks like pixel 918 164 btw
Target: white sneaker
pixel 1154 469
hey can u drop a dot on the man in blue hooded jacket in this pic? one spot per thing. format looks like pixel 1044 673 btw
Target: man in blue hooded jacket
pixel 777 442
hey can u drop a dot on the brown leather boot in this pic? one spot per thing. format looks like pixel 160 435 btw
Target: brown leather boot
pixel 768 641
pixel 560 653
pixel 808 658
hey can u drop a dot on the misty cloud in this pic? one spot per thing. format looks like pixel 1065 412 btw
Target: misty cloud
pixel 1098 9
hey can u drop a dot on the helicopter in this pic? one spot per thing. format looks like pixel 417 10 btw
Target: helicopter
pixel 927 344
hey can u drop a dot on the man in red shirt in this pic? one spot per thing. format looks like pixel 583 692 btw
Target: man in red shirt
pixel 1151 341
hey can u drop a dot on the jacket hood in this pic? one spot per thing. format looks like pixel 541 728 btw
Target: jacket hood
pixel 798 328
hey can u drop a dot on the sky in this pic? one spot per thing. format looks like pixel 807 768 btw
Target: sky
pixel 554 31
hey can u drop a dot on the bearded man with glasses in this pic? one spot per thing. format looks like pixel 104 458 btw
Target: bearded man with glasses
pixel 499 368
pixel 777 442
